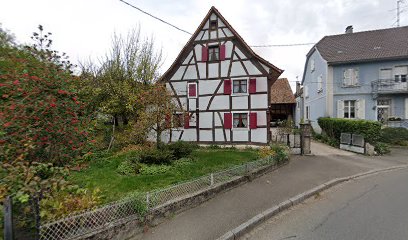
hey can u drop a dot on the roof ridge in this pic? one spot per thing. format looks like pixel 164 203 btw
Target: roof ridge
pixel 365 31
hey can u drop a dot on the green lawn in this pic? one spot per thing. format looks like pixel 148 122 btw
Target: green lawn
pixel 102 173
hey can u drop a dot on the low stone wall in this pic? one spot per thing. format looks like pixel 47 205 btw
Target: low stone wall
pixel 132 226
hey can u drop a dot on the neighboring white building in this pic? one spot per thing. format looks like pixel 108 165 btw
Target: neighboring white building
pixel 222 85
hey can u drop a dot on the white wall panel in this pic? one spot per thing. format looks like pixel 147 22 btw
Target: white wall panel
pixel 220 102
pixel 213 70
pixel 220 23
pixel 218 120
pixel 199 35
pixel 240 54
pixel 192 104
pixel 209 87
pixel 189 135
pixel 202 69
pixel 206 119
pixel 213 16
pixel 240 102
pixel 219 135
pixel 205 135
pixel 228 32
pixel 179 73
pixel 191 72
pixel 205 35
pixel 261 118
pixel 224 68
pixel 252 70
pixel 198 51
pixel 237 69
pixel 259 135
pixel 240 135
pixel 180 87
pixel 221 33
pixel 261 84
pixel 188 58
pixel 175 134
pixel 204 102
pixel 228 48
pixel 259 101
pixel 213 34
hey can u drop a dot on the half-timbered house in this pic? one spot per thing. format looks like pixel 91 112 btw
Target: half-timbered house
pixel 221 86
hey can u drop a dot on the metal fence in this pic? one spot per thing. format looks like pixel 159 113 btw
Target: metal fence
pixel 133 207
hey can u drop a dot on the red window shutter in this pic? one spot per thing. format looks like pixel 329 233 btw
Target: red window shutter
pixel 252 85
pixel 204 54
pixel 186 121
pixel 227 120
pixel 227 86
pixel 167 119
pixel 222 52
pixel 192 90
pixel 253 120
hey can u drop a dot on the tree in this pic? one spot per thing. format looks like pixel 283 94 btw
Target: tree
pixel 121 75
pixel 157 111
pixel 6 38
pixel 43 123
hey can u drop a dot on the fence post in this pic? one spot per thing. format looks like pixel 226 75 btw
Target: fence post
pixel 211 179
pixel 36 205
pixel 8 219
pixel 246 168
pixel 148 200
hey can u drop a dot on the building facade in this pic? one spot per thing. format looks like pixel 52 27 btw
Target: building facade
pixel 360 75
pixel 221 87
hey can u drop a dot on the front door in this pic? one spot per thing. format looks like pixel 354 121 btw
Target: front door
pixel 383 109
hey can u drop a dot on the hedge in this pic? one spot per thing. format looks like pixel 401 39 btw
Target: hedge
pixel 333 127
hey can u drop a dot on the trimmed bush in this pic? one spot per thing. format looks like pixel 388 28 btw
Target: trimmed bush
pixel 181 149
pixel 396 136
pixel 156 156
pixel 128 168
pixel 333 127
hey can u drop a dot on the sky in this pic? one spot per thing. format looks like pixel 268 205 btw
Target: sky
pixel 84 28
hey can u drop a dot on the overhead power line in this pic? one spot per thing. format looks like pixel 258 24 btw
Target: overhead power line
pixel 182 30
pixel 161 20
pixel 282 45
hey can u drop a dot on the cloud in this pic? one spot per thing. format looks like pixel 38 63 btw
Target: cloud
pixel 84 28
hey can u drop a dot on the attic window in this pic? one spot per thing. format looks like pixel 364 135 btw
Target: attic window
pixel 213 24
pixel 339 51
pixel 377 48
pixel 214 53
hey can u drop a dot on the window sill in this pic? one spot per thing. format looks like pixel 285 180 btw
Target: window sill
pixel 351 86
pixel 240 129
pixel 239 94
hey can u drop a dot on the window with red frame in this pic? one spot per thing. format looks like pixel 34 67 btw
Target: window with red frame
pixel 240 120
pixel 240 86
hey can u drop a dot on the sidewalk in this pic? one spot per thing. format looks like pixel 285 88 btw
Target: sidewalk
pixel 228 210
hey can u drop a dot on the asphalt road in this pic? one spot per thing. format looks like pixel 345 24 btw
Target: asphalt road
pixel 373 207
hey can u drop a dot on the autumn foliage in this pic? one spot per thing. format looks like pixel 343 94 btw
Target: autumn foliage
pixel 39 110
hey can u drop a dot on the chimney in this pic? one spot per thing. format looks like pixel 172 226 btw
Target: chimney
pixel 349 29
pixel 297 87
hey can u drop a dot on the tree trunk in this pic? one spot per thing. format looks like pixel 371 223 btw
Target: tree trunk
pixel 125 119
pixel 113 133
pixel 158 136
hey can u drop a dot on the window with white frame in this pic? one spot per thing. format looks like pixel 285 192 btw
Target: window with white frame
pixel 349 109
pixel 240 85
pixel 240 120
pixel 320 83
pixel 400 74
pixel 350 77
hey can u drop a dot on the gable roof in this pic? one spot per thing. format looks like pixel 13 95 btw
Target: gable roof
pixel 185 49
pixel 281 92
pixel 383 44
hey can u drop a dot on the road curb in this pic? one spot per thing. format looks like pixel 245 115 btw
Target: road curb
pixel 247 226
